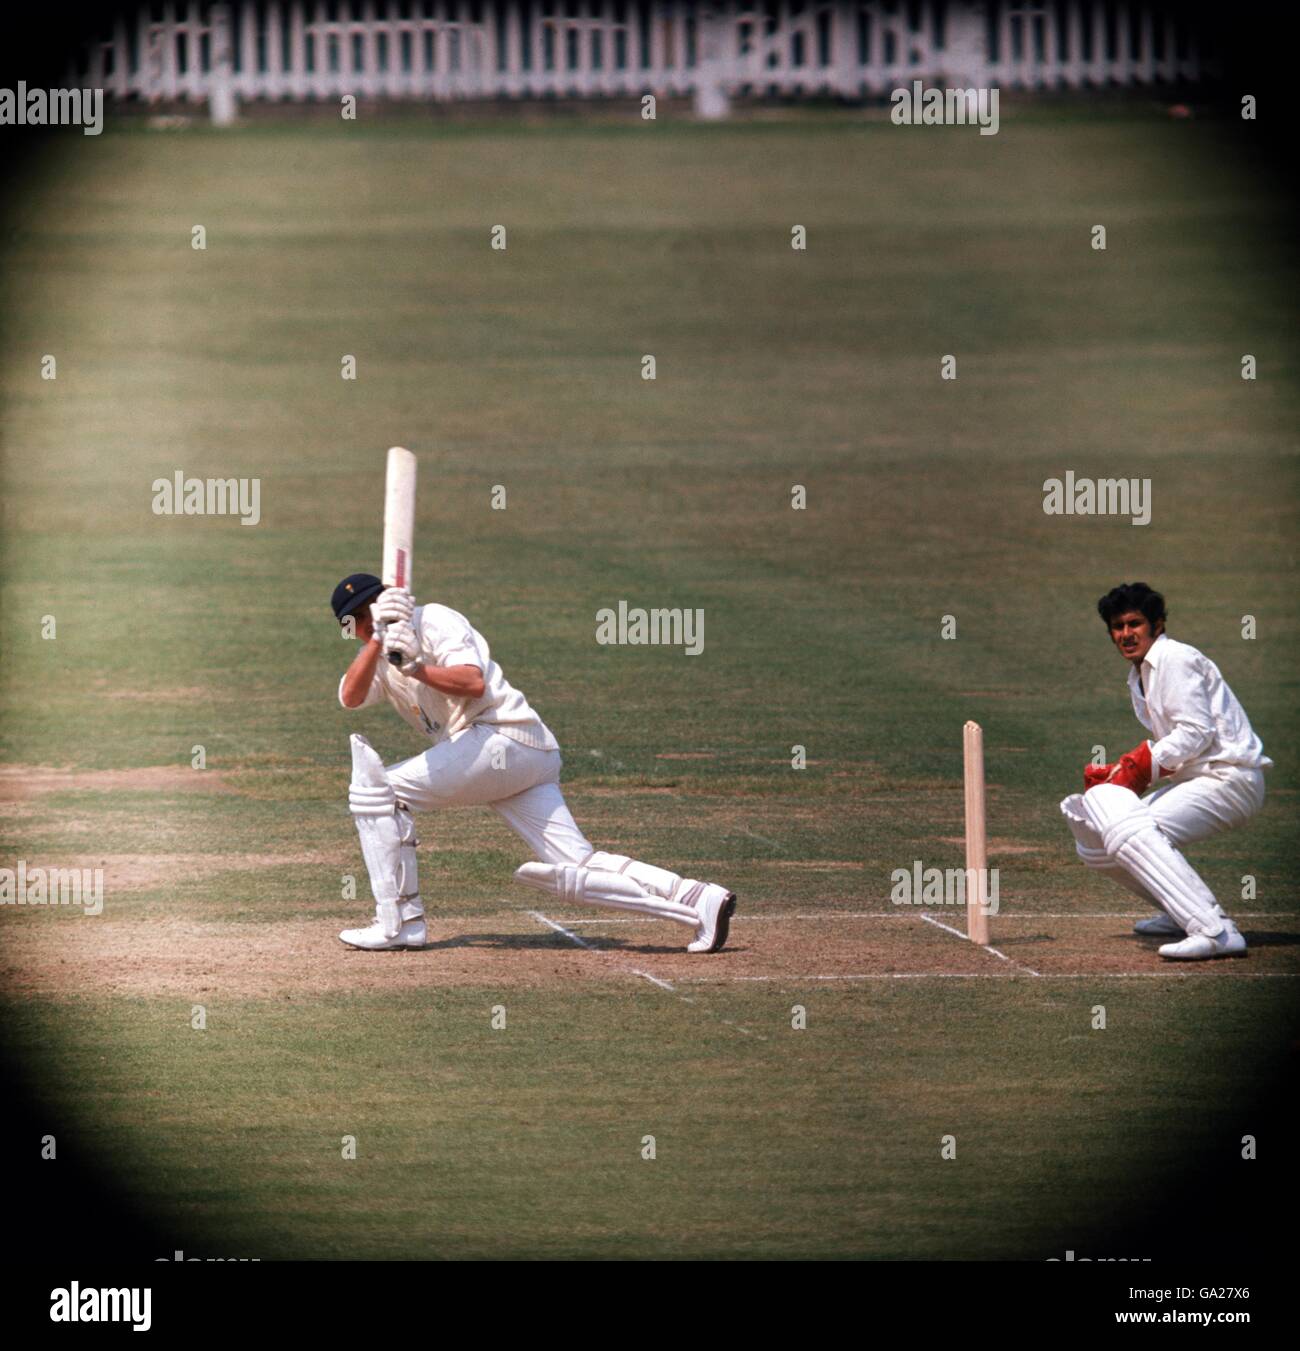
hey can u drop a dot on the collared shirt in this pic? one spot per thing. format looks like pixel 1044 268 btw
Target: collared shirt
pixel 448 639
pixel 1194 717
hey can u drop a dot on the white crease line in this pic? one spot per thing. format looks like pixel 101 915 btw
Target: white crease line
pixel 992 975
pixel 654 980
pixel 938 924
pixel 947 928
pixel 988 947
pixel 1164 975
pixel 751 919
pixel 878 975
pixel 560 929
pixel 930 919
pixel 582 943
pixel 1131 914
pixel 880 914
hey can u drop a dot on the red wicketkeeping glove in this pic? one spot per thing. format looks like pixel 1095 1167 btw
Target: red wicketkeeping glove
pixel 1095 774
pixel 1134 769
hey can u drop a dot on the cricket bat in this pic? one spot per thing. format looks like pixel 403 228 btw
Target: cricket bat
pixel 399 523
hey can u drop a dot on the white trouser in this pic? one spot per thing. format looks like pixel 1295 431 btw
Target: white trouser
pixel 479 767
pixel 1223 798
pixel 521 783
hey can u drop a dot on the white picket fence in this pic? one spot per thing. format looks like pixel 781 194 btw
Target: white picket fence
pixel 710 49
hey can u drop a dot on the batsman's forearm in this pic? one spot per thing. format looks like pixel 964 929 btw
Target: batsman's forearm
pixel 461 682
pixel 356 683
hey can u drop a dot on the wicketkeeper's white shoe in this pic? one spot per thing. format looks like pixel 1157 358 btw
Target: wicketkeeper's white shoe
pixel 716 906
pixel 1199 948
pixel 1158 926
pixel 412 934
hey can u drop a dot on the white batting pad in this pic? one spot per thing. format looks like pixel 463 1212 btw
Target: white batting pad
pixel 374 809
pixel 657 881
pixel 595 886
pixel 409 905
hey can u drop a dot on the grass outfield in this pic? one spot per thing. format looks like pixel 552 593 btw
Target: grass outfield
pixel 522 368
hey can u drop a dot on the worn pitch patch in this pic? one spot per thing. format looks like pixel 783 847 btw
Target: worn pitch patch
pixel 24 781
pixel 187 958
pixel 136 872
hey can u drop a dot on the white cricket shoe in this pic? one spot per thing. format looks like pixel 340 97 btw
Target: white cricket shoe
pixel 716 906
pixel 1199 948
pixel 412 934
pixel 1158 925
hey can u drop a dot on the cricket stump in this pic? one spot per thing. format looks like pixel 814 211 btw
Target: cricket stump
pixel 977 856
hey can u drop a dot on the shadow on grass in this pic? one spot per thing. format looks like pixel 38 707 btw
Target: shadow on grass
pixel 1271 938
pixel 508 942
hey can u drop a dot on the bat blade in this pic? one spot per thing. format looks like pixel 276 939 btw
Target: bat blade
pixel 399 522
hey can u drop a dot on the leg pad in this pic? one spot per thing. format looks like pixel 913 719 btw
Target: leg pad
pixel 374 809
pixel 1142 849
pixel 595 886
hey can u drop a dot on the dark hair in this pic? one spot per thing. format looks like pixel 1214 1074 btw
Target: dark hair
pixel 1133 596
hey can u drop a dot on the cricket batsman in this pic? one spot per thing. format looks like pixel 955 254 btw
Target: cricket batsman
pixel 487 747
pixel 1210 768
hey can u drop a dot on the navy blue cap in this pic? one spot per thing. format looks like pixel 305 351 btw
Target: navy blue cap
pixel 354 592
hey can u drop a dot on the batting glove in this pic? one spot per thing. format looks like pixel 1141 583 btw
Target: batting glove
pixel 394 606
pixel 400 638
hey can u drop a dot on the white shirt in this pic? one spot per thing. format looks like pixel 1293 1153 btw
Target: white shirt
pixel 1194 716
pixel 448 639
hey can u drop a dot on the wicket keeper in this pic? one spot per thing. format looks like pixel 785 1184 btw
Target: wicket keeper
pixel 1210 768
pixel 487 747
